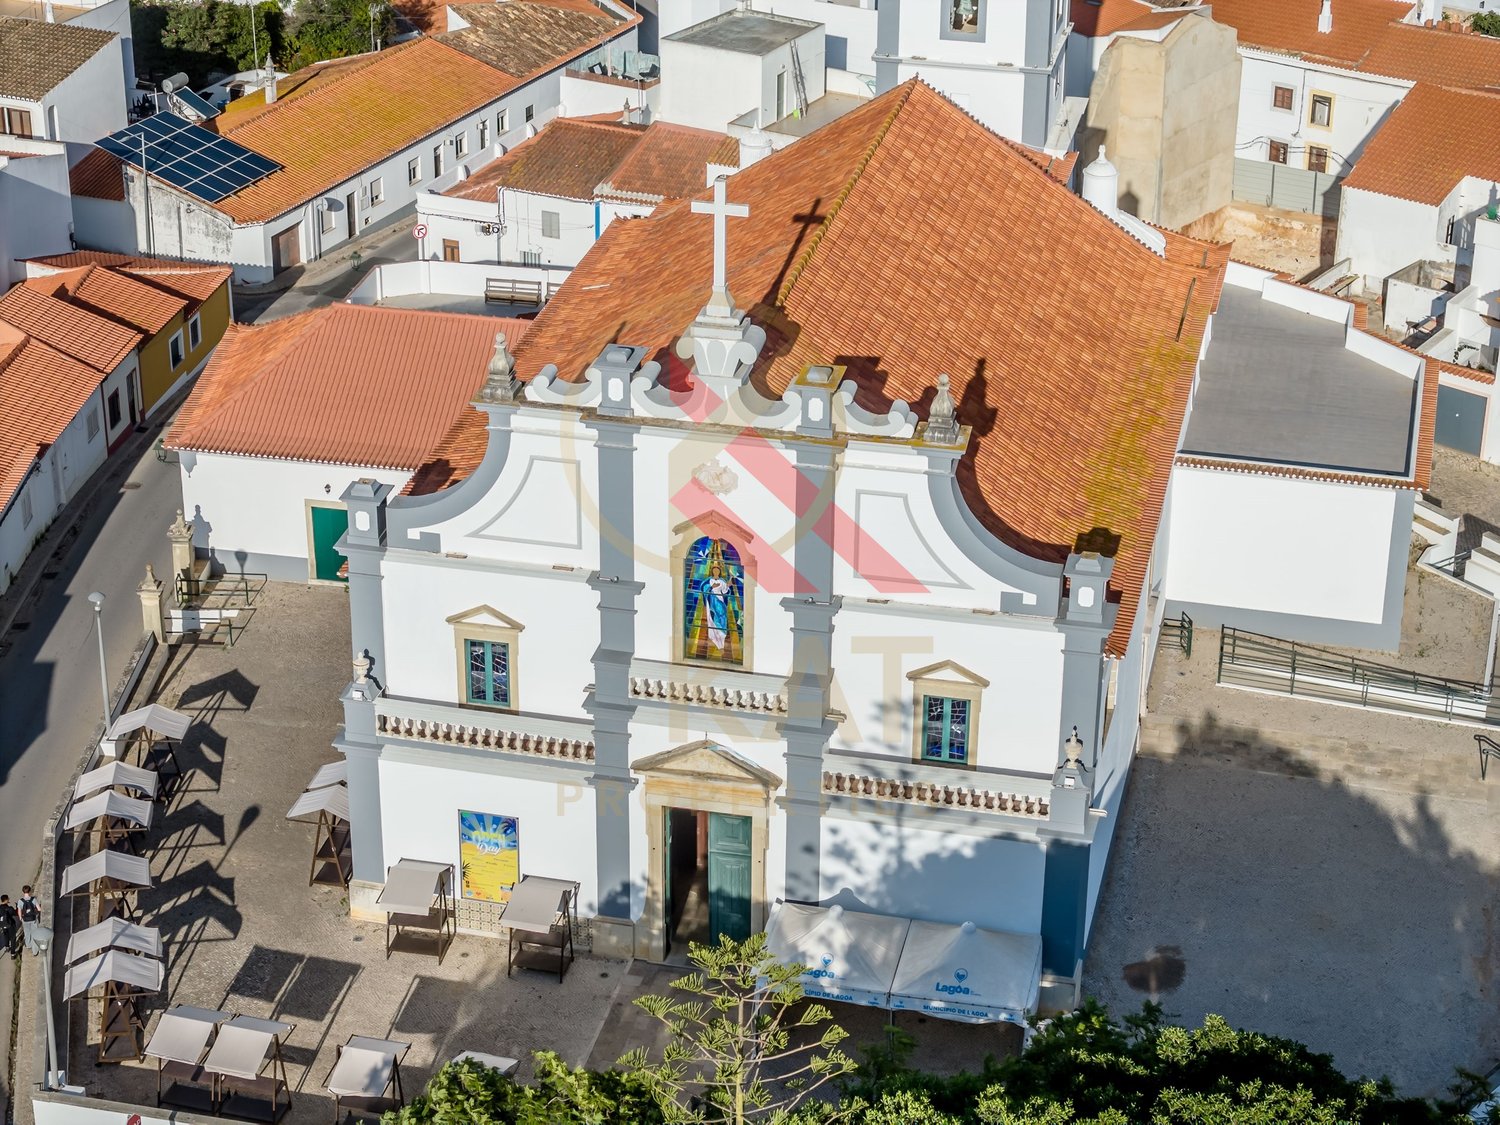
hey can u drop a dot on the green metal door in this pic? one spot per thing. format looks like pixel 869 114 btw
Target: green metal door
pixel 728 876
pixel 328 526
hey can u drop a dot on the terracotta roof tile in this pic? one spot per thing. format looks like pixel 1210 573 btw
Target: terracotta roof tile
pixel 41 390
pixel 97 176
pixel 1432 140
pixel 567 159
pixel 1292 25
pixel 669 162
pixel 194 283
pixel 527 37
pixel 1429 54
pixel 344 384
pixel 113 295
pixel 1072 347
pixel 1098 18
pixel 69 328
pixel 36 56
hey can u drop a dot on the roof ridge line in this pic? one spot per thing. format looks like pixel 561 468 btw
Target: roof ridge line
pixel 864 162
pixel 333 83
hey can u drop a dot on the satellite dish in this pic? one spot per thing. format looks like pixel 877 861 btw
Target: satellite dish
pixel 176 82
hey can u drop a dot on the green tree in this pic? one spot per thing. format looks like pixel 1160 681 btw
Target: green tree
pixel 1487 23
pixel 745 1044
pixel 468 1093
pixel 220 30
pixel 335 29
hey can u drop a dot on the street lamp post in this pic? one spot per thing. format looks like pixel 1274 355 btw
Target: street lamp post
pixel 96 599
pixel 43 938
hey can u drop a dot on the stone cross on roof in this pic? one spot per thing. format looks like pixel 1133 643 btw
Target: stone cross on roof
pixel 719 301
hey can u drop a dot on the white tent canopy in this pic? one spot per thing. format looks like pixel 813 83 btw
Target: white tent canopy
pixel 110 804
pixel 117 773
pixel 412 886
pixel 333 799
pixel 850 955
pixel 243 1045
pixel 114 933
pixel 153 717
pixel 107 864
pixel 182 1033
pixel 332 773
pixel 968 974
pixel 114 967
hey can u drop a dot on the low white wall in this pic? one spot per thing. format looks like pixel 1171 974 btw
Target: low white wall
pixel 463 279
pixel 258 506
pixel 1381 234
pixel 1259 550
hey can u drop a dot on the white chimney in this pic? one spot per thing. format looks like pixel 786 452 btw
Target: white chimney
pixel 1428 11
pixel 270 80
pixel 1325 17
pixel 1101 184
pixel 754 146
pixel 48 13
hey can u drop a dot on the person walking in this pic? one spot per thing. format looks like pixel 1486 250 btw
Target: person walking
pixel 31 919
pixel 10 925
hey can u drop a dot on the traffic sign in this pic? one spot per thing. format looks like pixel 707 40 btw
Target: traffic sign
pixel 419 231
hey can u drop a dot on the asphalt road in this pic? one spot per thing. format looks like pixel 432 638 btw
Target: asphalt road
pixel 50 695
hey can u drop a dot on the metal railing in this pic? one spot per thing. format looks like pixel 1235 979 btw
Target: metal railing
pixel 1453 565
pixel 1257 661
pixel 1488 748
pixel 1179 630
pixel 222 590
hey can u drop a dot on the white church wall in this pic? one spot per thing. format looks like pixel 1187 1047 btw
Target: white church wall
pixel 1294 557
pixel 910 870
pixel 875 649
pixel 558 612
pixel 420 804
pixel 250 513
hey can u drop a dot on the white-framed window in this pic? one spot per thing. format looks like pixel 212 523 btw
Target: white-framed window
pixel 551 224
pixel 1281 97
pixel 195 331
pixel 174 348
pixel 92 423
pixel 484 134
pixel 377 190
pixel 502 122
pixel 16 122
pixel 530 112
pixel 326 223
pixel 437 160
pixel 414 169
pixel 461 143
pixel 26 513
pixel 1276 152
pixel 963 19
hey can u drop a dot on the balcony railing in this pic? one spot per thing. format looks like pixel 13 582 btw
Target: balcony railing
pixel 502 732
pixel 692 686
pixel 935 787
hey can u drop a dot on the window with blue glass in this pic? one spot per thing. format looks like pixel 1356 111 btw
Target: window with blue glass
pixel 945 729
pixel 489 673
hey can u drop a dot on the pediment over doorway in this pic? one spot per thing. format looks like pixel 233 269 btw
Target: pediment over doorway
pixel 708 760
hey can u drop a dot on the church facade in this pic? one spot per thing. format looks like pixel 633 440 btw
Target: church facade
pixel 682 612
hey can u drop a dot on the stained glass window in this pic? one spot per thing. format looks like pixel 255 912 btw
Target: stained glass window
pixel 489 673
pixel 713 602
pixel 945 729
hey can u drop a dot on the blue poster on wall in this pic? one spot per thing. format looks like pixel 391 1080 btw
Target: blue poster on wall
pixel 489 855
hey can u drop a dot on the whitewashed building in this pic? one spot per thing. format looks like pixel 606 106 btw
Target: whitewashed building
pixel 36 207
pixel 443 104
pixel 548 200
pixel 59 82
pixel 705 573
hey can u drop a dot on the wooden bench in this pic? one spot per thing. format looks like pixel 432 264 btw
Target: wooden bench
pixel 504 290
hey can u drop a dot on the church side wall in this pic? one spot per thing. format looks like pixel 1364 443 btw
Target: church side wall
pixel 251 513
pixel 908 870
pixel 1308 560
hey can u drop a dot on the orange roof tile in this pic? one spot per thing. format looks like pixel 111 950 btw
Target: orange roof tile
pixel 1432 139
pixel 523 38
pixel 114 295
pixel 343 384
pixel 1098 18
pixel 195 283
pixel 97 176
pixel 75 331
pixel 1292 25
pixel 41 390
pixel 1072 346
pixel 567 159
pixel 669 162
pixel 1429 54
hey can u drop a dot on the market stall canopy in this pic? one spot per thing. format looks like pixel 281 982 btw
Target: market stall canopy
pixel 132 810
pixel 114 933
pixel 333 773
pixel 143 973
pixel 849 955
pixel 333 800
pixel 244 1044
pixel 117 773
pixel 366 1067
pixel 413 886
pixel 153 717
pixel 968 974
pixel 182 1033
pixel 535 903
pixel 107 864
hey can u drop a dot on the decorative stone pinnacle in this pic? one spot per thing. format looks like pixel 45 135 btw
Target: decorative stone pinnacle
pixel 180 528
pixel 942 418
pixel 501 384
pixel 362 666
pixel 1074 748
pixel 150 581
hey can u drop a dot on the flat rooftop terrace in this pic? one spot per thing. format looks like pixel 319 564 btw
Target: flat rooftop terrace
pixel 749 33
pixel 1279 386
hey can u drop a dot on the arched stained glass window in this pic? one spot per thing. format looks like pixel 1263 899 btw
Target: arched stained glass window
pixel 713 602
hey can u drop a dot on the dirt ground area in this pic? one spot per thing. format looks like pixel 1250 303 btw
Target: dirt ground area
pixel 1287 241
pixel 1462 484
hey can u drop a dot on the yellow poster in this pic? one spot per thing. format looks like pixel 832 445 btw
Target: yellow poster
pixel 489 855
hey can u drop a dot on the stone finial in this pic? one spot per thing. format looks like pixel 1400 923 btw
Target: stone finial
pixel 180 528
pixel 942 418
pixel 362 666
pixel 150 583
pixel 1073 751
pixel 501 384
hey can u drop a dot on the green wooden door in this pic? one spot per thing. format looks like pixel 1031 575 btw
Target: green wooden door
pixel 328 526
pixel 728 876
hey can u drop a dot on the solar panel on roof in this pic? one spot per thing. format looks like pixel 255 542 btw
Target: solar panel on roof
pixel 188 156
pixel 196 104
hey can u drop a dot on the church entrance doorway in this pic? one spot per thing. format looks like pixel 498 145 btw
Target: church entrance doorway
pixel 707 876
